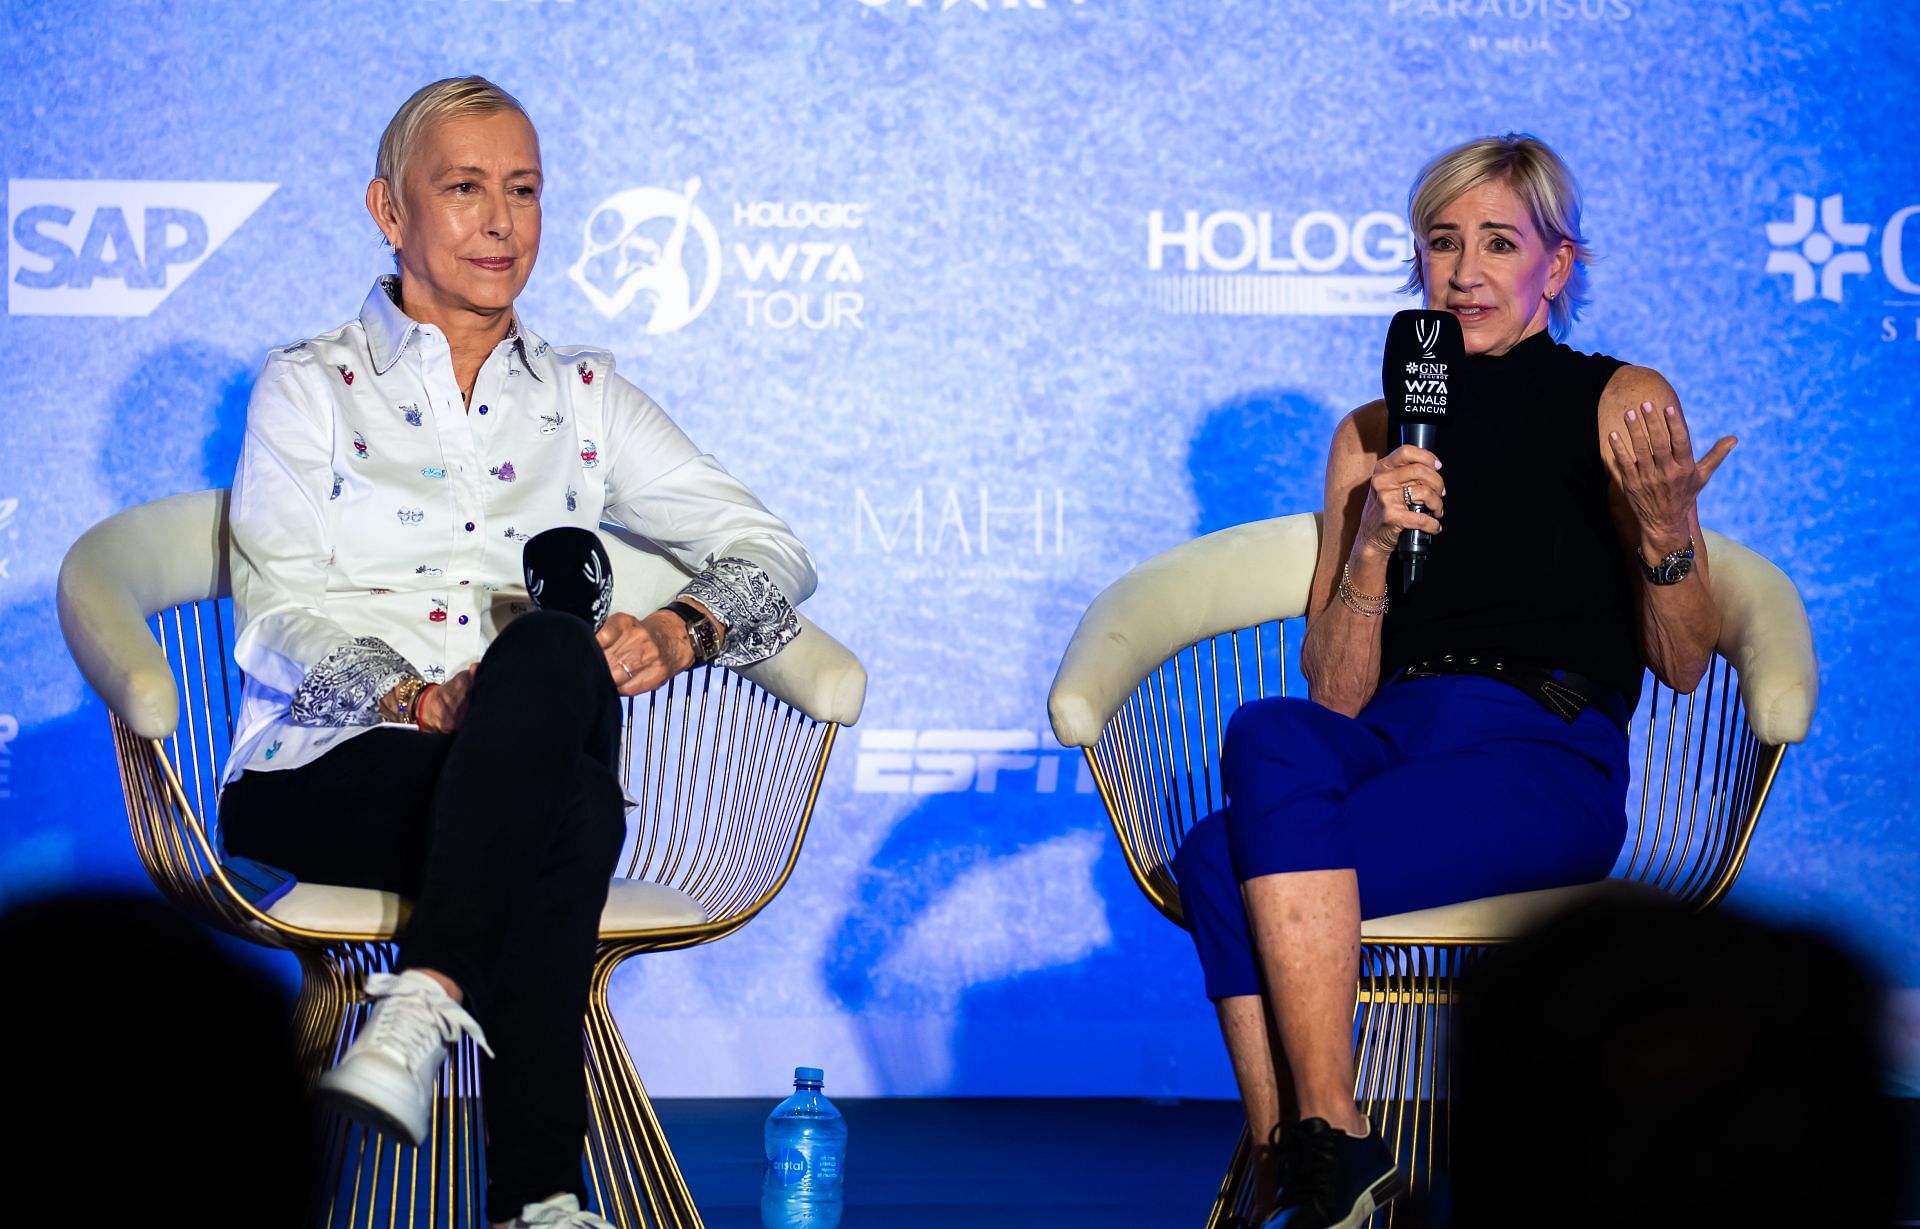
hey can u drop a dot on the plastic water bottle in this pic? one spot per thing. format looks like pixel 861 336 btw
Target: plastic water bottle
pixel 806 1153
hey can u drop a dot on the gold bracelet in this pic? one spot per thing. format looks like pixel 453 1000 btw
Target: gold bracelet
pixel 404 694
pixel 1366 605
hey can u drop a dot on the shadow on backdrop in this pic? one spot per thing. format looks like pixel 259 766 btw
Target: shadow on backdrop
pixel 986 908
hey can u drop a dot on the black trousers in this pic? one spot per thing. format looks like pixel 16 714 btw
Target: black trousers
pixel 505 834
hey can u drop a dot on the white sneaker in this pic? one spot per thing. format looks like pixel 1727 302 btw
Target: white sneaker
pixel 386 1078
pixel 560 1212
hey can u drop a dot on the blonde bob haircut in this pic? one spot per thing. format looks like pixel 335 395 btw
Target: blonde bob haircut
pixel 453 98
pixel 1537 177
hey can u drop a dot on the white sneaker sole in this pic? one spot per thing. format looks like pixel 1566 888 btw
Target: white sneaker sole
pixel 376 1103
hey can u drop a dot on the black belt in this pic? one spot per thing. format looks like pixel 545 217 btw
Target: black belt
pixel 1561 692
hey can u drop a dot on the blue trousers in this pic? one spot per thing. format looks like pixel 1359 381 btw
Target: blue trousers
pixel 1441 790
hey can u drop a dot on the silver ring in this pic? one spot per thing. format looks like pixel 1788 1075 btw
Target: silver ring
pixel 628 669
pixel 1406 493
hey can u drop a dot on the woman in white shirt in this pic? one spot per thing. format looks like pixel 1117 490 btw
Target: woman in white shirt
pixel 408 725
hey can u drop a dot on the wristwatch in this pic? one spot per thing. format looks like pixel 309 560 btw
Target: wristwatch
pixel 1671 570
pixel 700 630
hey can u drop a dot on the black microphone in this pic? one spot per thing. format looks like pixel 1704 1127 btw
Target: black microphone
pixel 1420 371
pixel 568 569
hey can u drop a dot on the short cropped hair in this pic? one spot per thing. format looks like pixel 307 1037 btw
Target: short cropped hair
pixel 452 98
pixel 1541 181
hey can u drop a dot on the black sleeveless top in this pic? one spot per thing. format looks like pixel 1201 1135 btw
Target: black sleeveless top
pixel 1529 568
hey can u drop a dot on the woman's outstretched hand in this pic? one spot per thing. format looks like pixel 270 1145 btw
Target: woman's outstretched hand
pixel 1650 455
pixel 1403 477
pixel 644 653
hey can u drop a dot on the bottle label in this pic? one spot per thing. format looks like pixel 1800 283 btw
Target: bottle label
pixel 790 1164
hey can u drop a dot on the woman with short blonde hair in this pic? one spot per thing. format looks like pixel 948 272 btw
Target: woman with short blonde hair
pixel 1464 737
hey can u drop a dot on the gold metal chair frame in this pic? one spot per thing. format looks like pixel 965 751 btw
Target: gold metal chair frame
pixel 727 776
pixel 1703 780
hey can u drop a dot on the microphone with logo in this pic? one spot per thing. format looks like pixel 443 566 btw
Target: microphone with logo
pixel 568 569
pixel 1419 373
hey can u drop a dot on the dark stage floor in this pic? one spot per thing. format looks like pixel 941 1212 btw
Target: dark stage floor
pixel 929 1163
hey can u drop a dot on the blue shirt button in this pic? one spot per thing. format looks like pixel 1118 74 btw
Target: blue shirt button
pixel 469 530
pixel 463 620
pixel 483 409
pixel 466 582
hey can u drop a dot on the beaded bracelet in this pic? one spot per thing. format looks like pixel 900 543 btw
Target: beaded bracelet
pixel 404 696
pixel 1366 605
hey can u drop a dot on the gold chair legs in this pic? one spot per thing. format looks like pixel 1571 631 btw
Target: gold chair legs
pixel 368 1179
pixel 631 1173
pixel 1400 1073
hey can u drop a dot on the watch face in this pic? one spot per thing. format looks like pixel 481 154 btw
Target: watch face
pixel 1673 570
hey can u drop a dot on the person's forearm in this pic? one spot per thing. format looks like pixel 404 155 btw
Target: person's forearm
pixel 1340 655
pixel 1679 623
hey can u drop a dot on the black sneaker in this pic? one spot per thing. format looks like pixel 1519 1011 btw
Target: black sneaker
pixel 1333 1181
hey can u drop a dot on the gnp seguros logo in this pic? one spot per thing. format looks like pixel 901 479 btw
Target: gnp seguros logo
pixel 1818 250
pixel 1234 262
pixel 114 247
pixel 656 250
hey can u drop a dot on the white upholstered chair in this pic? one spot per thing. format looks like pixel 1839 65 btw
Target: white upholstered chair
pixel 726 767
pixel 1167 652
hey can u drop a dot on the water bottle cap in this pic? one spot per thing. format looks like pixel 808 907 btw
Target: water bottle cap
pixel 810 1075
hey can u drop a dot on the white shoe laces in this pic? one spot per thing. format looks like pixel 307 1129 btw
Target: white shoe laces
pixel 560 1212
pixel 415 1016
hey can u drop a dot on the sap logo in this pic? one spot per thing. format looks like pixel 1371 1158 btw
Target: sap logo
pixel 1237 263
pixel 961 761
pixel 966 523
pixel 1811 249
pixel 654 247
pixel 107 247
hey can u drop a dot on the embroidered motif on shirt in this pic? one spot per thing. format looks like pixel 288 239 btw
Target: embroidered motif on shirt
pixel 337 480
pixel 427 569
pixel 411 516
pixel 586 373
pixel 433 471
pixel 573 504
pixel 513 535
pixel 549 423
pixel 540 349
pixel 434 674
pixel 439 612
pixel 273 749
pixel 504 471
pixel 344 373
pixel 760 621
pixel 345 686
pixel 412 414
pixel 295 348
pixel 589 454
pixel 359 446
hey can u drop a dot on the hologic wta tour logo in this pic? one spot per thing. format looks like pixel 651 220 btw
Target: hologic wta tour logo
pixel 636 250
pixel 1824 255
pixel 1234 262
pixel 657 250
pixel 113 247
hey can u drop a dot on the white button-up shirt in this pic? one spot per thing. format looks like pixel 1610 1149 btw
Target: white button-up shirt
pixel 377 520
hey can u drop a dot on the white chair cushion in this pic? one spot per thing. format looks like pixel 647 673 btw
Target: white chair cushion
pixel 1496 918
pixel 631 905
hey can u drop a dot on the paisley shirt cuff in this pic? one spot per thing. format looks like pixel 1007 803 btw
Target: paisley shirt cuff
pixel 760 621
pixel 345 686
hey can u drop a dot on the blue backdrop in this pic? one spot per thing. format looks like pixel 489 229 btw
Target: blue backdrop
pixel 992 299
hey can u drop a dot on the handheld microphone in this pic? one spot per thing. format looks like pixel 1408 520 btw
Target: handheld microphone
pixel 1419 372
pixel 568 569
